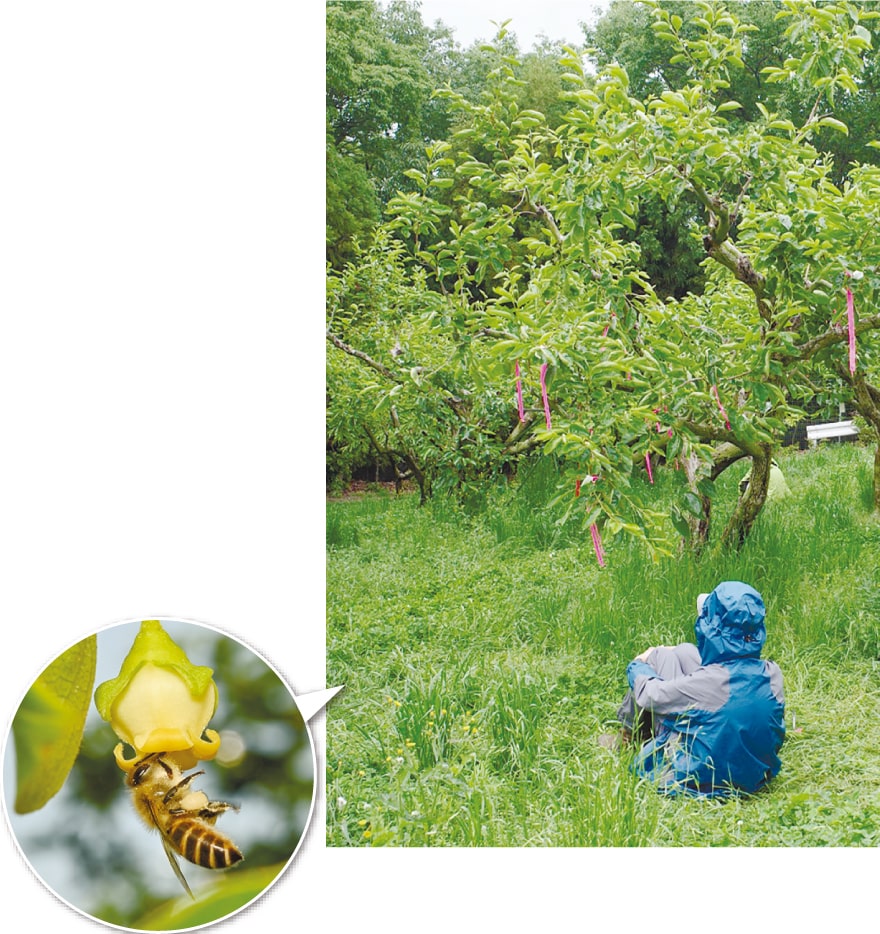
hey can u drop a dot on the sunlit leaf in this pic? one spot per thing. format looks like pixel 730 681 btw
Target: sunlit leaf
pixel 229 894
pixel 48 725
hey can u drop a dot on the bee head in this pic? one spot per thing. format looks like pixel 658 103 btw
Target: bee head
pixel 143 769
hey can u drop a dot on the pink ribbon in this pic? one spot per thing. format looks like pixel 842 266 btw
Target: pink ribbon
pixel 660 428
pixel 519 398
pixel 597 545
pixel 721 407
pixel 851 325
pixel 544 394
pixel 607 326
pixel 648 465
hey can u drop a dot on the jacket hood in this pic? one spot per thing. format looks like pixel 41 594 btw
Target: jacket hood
pixel 731 624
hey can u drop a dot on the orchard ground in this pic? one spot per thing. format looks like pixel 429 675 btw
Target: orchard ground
pixel 483 652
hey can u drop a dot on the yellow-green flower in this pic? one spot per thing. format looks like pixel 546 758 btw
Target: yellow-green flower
pixel 160 701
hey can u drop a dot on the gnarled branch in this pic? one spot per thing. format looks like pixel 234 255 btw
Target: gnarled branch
pixel 836 335
pixel 360 355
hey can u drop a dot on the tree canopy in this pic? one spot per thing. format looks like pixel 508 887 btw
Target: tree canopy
pixel 513 299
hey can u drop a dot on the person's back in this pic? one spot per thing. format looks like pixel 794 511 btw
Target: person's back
pixel 719 727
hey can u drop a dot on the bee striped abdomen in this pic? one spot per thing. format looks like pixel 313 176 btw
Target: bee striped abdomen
pixel 202 845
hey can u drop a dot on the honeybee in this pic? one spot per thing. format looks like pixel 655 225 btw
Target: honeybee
pixel 184 818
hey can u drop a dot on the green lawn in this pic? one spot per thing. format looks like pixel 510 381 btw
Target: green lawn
pixel 483 651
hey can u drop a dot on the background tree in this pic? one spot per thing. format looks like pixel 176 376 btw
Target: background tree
pixel 377 92
pixel 383 65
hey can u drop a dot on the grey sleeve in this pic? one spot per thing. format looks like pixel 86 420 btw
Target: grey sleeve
pixel 673 661
pixel 706 689
pixel 774 673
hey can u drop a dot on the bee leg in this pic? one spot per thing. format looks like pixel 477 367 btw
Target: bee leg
pixel 214 809
pixel 177 790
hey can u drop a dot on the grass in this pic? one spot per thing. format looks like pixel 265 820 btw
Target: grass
pixel 483 651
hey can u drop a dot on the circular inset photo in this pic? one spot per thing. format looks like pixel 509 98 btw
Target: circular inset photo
pixel 158 776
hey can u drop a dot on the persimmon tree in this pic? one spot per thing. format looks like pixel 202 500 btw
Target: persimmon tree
pixel 510 275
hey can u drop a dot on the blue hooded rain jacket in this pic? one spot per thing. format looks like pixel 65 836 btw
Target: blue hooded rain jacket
pixel 722 725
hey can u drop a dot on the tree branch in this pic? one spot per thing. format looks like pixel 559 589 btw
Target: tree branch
pixel 718 245
pixel 836 335
pixel 727 439
pixel 542 211
pixel 527 444
pixel 360 355
pixel 494 332
pixel 724 456
pixel 513 445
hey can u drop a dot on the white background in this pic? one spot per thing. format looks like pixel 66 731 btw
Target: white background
pixel 161 436
pixel 472 20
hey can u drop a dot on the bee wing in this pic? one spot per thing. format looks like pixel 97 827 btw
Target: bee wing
pixel 176 867
pixel 172 858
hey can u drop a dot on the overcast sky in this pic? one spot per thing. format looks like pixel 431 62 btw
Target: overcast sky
pixel 471 19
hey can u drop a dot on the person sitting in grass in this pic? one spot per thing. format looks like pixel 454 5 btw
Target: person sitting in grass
pixel 710 715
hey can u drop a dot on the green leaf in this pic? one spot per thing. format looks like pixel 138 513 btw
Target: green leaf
pixel 234 891
pixel 863 34
pixel 838 125
pixel 48 726
pixel 679 522
pixel 707 487
pixel 692 504
pixel 676 100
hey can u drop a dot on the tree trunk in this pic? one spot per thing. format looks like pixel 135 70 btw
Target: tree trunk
pixel 866 400
pixel 750 505
pixel 699 526
pixel 722 457
pixel 866 404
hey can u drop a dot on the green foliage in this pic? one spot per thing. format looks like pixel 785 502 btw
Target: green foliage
pixel 352 205
pixel 48 725
pixel 830 40
pixel 624 35
pixel 518 649
pixel 340 531
pixel 523 247
pixel 428 712
pixel 375 81
pixel 376 86
pixel 382 65
pixel 515 714
pixel 224 899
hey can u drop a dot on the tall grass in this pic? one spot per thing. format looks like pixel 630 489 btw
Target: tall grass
pixel 483 653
